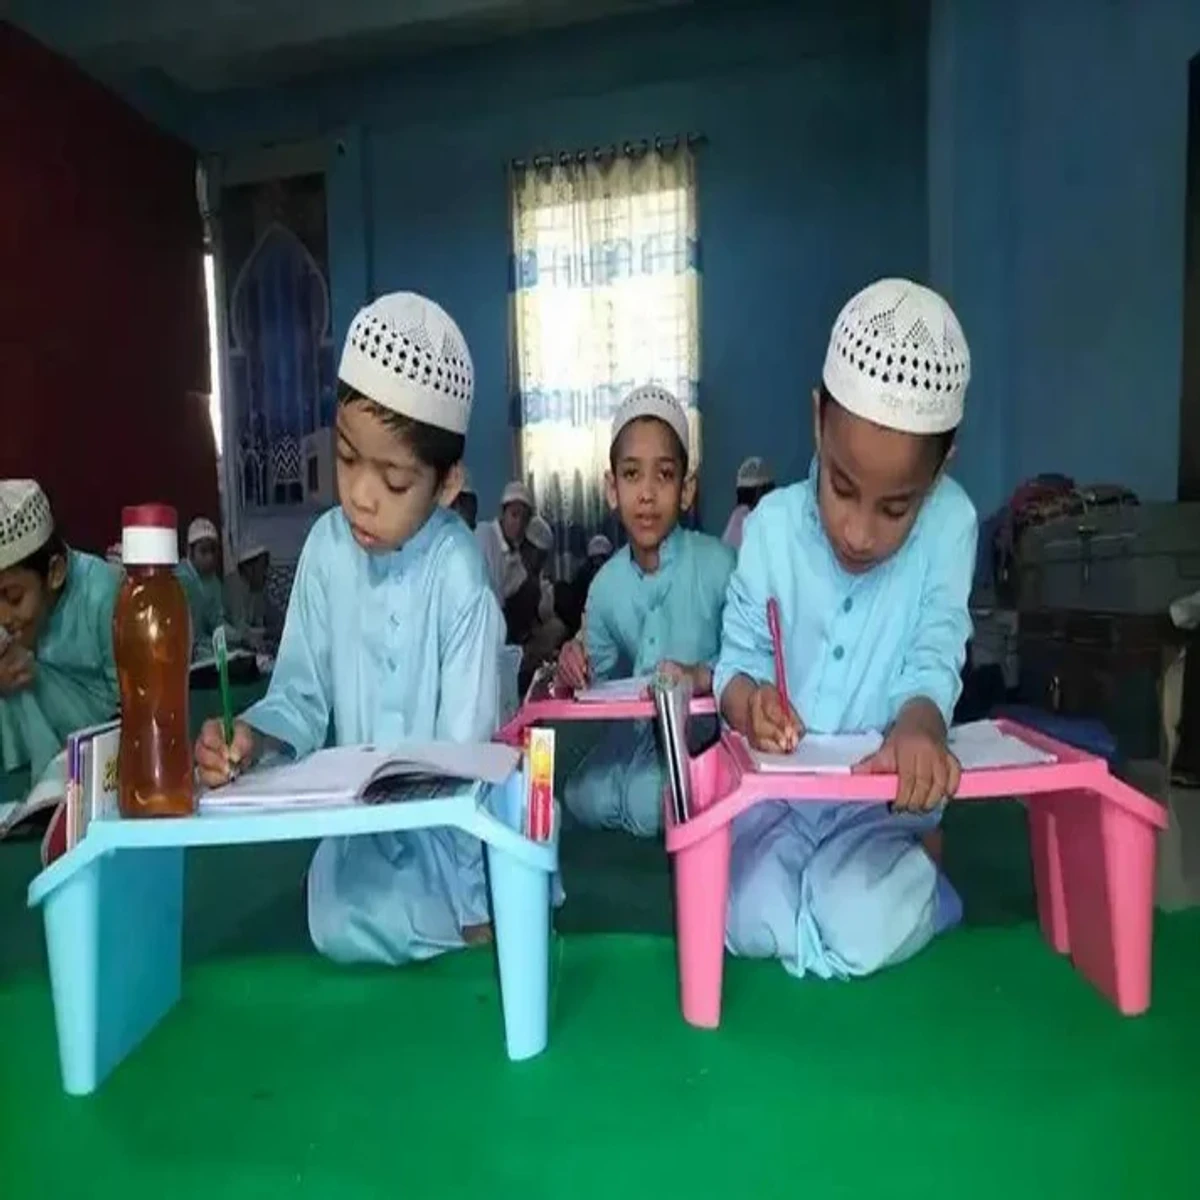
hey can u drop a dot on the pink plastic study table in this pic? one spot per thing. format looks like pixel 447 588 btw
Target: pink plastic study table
pixel 557 709
pixel 1092 840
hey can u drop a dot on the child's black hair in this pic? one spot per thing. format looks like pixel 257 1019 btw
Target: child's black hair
pixel 750 496
pixel 39 561
pixel 436 448
pixel 681 453
pixel 942 443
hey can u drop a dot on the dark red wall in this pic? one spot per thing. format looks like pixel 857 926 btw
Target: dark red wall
pixel 103 332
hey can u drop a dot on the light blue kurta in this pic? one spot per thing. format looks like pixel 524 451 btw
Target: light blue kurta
pixel 634 621
pixel 206 603
pixel 843 890
pixel 75 680
pixel 380 649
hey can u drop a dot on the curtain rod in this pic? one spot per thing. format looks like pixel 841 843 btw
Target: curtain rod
pixel 632 149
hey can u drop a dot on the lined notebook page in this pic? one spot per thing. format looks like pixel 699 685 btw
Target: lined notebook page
pixel 978 746
pixel 820 754
pixel 612 690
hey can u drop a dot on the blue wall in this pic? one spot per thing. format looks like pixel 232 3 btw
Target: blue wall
pixel 1057 153
pixel 813 182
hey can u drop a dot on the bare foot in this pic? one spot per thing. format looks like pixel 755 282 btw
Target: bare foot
pixel 477 935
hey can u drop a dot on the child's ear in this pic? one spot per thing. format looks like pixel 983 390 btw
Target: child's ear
pixel 56 573
pixel 451 485
pixel 687 496
pixel 816 399
pixel 610 490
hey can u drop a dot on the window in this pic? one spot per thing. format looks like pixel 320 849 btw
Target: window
pixel 606 297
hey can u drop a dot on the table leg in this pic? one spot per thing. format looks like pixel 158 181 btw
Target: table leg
pixel 521 912
pixel 701 904
pixel 1094 868
pixel 114 942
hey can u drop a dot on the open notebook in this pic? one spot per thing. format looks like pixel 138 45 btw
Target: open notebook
pixel 978 746
pixel 363 774
pixel 610 691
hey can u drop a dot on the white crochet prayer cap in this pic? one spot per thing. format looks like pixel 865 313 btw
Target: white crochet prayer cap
pixel 650 400
pixel 200 530
pixel 599 545
pixel 539 534
pixel 898 357
pixel 754 472
pixel 516 493
pixel 250 551
pixel 405 353
pixel 26 523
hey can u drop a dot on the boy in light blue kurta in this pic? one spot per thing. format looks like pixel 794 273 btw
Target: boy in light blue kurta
pixel 392 633
pixel 56 610
pixel 200 574
pixel 870 560
pixel 656 604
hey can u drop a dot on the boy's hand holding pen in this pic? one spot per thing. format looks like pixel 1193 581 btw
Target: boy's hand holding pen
pixel 774 725
pixel 574 671
pixel 220 760
pixel 762 712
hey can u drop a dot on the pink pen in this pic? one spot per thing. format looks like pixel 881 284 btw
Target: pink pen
pixel 777 645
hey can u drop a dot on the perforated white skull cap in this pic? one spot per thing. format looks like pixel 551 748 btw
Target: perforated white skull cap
pixel 754 472
pixel 26 523
pixel 539 534
pixel 202 530
pixel 599 545
pixel 516 492
pixel 650 400
pixel 405 353
pixel 898 357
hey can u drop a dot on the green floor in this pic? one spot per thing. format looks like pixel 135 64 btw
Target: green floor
pixel 984 1068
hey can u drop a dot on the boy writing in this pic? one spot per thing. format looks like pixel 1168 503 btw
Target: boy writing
pixel 655 604
pixel 392 633
pixel 870 560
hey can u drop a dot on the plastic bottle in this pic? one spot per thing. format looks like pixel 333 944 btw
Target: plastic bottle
pixel 152 642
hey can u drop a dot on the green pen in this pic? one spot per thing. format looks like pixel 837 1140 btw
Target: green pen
pixel 221 654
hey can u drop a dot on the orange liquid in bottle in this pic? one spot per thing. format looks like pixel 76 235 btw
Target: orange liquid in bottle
pixel 152 642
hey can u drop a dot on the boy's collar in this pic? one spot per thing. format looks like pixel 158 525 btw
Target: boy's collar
pixel 668 550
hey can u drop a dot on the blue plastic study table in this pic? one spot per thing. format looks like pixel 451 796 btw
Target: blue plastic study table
pixel 113 914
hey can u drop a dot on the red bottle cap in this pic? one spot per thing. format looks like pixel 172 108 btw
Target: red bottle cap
pixel 149 535
pixel 149 516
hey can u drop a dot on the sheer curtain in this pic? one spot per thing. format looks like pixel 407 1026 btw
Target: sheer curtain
pixel 605 285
